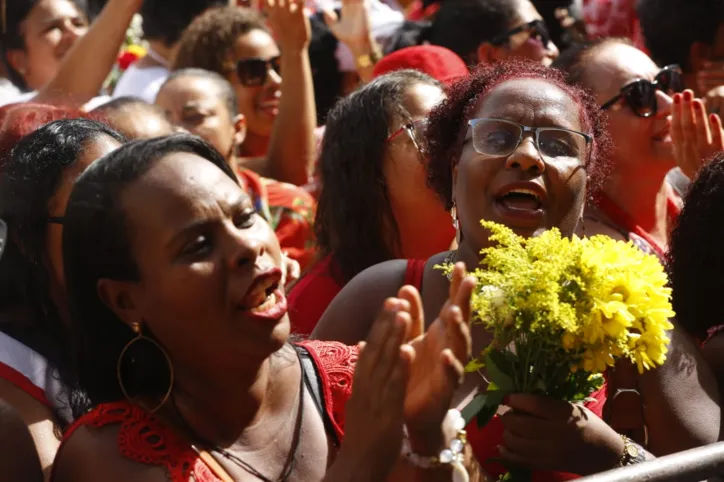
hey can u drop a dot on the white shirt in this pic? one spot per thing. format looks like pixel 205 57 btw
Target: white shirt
pixel 141 82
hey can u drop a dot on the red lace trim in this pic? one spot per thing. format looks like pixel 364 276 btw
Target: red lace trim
pixel 335 363
pixel 143 438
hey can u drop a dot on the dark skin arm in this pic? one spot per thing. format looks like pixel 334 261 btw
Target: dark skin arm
pixel 18 457
pixel 349 317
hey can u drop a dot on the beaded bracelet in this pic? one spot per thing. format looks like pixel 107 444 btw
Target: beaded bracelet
pixel 453 455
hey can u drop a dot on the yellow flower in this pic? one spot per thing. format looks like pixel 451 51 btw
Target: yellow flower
pixel 137 50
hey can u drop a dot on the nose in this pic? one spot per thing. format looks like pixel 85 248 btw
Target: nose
pixel 72 32
pixel 663 105
pixel 526 157
pixel 273 78
pixel 244 248
pixel 552 51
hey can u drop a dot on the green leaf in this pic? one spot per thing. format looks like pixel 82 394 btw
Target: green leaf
pixel 490 407
pixel 471 409
pixel 499 370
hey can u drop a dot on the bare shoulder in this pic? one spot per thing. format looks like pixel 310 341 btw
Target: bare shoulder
pixel 594 226
pixel 713 353
pixel 18 457
pixel 350 315
pixel 92 454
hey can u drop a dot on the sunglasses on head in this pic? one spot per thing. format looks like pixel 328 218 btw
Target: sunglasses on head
pixel 537 28
pixel 254 72
pixel 640 95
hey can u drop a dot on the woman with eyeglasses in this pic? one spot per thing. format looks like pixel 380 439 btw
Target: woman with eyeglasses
pixel 486 31
pixel 182 338
pixel 375 204
pixel 513 143
pixel 36 367
pixel 656 126
pixel 205 104
pixel 279 117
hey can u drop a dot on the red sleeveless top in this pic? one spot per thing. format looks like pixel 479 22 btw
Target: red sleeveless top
pixel 143 438
pixel 484 441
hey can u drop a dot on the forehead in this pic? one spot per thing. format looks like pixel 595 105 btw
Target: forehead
pixel 255 44
pixel 187 89
pixel 525 13
pixel 179 186
pixel 420 99
pixel 616 65
pixel 532 102
pixel 46 10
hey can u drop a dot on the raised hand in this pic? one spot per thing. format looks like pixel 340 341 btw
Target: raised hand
pixel 440 355
pixel 547 434
pixel 695 136
pixel 353 28
pixel 289 23
pixel 373 427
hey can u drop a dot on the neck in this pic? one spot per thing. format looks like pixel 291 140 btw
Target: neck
pixel 468 255
pixel 644 198
pixel 163 50
pixel 255 145
pixel 219 410
pixel 419 241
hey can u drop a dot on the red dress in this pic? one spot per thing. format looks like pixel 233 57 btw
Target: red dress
pixel 144 439
pixel 312 294
pixel 288 209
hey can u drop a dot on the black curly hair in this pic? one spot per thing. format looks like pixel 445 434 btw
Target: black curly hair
pixel 354 221
pixel 671 27
pixel 448 121
pixel 166 20
pixel 695 261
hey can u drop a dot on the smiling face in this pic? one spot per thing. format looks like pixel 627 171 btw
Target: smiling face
pixel 208 263
pixel 49 30
pixel 527 45
pixel 259 104
pixel 639 143
pixel 483 184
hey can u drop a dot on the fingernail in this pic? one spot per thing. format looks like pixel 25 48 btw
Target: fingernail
pixel 688 96
pixel 697 106
pixel 677 98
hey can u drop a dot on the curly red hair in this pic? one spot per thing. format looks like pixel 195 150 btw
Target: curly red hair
pixel 448 121
pixel 19 120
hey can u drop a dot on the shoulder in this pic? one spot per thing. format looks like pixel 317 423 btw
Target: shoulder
pixel 18 455
pixel 595 225
pixel 350 315
pixel 93 453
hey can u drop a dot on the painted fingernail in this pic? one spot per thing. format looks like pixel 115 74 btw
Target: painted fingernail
pixel 697 106
pixel 677 98
pixel 688 96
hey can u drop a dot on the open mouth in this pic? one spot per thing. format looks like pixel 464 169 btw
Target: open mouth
pixel 521 199
pixel 264 294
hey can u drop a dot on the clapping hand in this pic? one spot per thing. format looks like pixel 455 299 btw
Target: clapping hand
pixel 695 136
pixel 289 23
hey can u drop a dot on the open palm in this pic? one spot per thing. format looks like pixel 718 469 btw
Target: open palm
pixel 352 27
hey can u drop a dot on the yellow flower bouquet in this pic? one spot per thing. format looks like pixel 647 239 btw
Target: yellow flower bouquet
pixel 561 311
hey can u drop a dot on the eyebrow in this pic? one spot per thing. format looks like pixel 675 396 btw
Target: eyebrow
pixel 238 204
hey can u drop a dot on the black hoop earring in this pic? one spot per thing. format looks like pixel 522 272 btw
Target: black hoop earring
pixel 138 339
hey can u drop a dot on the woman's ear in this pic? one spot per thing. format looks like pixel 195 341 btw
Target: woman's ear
pixel 121 298
pixel 18 60
pixel 239 122
pixel 488 53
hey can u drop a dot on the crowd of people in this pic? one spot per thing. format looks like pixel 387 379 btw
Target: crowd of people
pixel 218 248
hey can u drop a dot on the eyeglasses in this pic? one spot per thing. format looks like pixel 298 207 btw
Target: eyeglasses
pixel 415 130
pixel 640 95
pixel 537 28
pixel 497 137
pixel 254 72
pixel 55 220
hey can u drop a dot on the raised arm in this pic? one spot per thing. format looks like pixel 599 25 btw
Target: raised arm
pixel 87 64
pixel 292 147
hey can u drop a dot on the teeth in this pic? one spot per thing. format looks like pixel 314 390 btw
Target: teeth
pixel 525 192
pixel 267 303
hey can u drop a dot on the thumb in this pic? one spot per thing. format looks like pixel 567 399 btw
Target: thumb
pixel 330 17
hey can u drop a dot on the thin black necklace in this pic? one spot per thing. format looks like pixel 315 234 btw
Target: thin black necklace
pixel 291 459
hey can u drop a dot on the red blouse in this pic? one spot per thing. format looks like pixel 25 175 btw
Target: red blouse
pixel 143 438
pixel 288 209
pixel 312 294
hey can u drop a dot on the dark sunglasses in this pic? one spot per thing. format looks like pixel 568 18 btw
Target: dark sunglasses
pixel 640 95
pixel 537 28
pixel 254 72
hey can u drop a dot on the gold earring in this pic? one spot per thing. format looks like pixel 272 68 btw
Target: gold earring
pixel 141 338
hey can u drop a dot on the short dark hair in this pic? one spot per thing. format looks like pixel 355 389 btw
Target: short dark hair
pixel 695 259
pixel 671 27
pixel 166 20
pixel 448 121
pixel 354 221
pixel 226 90
pixel 462 25
pixel 326 75
pixel 207 41
pixel 96 245
pixel 29 179
pixel 16 11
